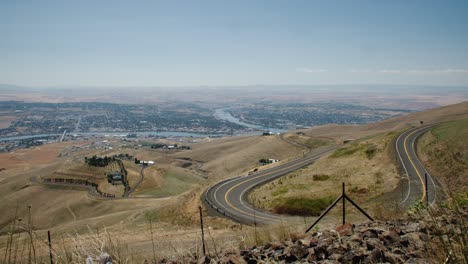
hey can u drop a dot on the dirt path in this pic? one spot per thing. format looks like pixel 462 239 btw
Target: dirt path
pixel 142 176
pixel 71 211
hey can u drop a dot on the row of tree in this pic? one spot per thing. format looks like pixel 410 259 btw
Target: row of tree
pixel 98 161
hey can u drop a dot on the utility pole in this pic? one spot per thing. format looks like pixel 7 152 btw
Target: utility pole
pixel 202 232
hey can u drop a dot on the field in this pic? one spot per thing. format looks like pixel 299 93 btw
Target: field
pixel 237 155
pixel 167 182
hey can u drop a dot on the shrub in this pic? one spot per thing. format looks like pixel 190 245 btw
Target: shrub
pixel 302 206
pixel 370 151
pixel 321 177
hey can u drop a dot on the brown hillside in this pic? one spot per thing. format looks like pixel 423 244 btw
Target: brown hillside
pixel 341 132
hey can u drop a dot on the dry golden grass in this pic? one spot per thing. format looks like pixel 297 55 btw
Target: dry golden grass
pixel 233 156
pixel 73 208
pixel 342 132
pixel 34 156
pixel 153 179
pixel 70 208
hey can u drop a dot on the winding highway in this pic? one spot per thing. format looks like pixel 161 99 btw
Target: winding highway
pixel 412 187
pixel 229 197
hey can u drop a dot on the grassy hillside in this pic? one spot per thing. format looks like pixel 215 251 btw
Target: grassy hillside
pixel 233 156
pixel 341 132
pixel 364 165
pixel 444 150
pixel 165 182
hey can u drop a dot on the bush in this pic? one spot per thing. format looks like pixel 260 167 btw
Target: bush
pixel 302 206
pixel 370 151
pixel 321 177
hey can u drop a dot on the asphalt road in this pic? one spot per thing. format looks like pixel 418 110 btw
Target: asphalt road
pixel 229 197
pixel 412 186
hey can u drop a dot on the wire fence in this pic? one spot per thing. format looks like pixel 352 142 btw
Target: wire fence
pixel 22 243
pixel 30 246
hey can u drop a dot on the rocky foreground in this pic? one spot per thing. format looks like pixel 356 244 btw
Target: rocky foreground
pixel 427 239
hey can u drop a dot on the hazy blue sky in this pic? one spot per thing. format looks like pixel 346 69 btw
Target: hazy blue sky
pixel 184 43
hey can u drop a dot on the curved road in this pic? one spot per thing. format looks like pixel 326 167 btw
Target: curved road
pixel 229 197
pixel 413 186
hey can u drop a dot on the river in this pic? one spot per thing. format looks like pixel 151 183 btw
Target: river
pixel 224 115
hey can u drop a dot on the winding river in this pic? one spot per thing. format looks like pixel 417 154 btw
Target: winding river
pixel 224 115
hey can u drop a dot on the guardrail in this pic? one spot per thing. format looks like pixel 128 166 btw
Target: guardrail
pixel 216 208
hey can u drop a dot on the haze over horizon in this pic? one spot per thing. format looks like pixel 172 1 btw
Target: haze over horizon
pixel 212 43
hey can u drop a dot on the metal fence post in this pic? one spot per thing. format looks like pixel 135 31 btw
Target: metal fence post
pixel 50 248
pixel 426 190
pixel 344 203
pixel 202 232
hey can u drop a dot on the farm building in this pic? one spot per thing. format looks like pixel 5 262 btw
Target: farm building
pixel 114 177
pixel 146 162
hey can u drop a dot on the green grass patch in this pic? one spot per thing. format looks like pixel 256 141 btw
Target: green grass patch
pixel 301 206
pixel 299 186
pixel 452 130
pixel 369 149
pixel 347 151
pixel 280 191
pixel 446 147
pixel 451 140
pixel 315 143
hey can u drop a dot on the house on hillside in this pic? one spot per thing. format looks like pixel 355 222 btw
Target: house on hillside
pixel 115 178
pixel 268 161
pixel 146 162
